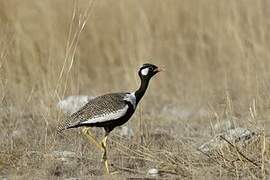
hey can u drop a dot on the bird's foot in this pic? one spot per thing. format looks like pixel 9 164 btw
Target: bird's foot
pixel 107 171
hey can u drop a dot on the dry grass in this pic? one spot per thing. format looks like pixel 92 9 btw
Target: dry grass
pixel 217 57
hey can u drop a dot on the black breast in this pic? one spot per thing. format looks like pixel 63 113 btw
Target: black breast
pixel 110 125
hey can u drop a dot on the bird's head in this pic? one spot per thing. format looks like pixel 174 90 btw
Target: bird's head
pixel 147 71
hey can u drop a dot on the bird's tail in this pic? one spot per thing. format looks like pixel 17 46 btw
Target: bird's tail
pixel 61 128
pixel 63 125
pixel 67 125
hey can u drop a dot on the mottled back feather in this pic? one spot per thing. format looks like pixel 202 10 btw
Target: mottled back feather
pixel 99 106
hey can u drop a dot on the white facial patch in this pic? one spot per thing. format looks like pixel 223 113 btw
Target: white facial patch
pixel 145 71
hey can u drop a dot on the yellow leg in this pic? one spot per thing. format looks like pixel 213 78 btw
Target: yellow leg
pixel 104 157
pixel 102 146
pixel 90 137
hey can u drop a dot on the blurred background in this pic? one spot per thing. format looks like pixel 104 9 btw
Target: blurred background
pixel 209 48
pixel 216 55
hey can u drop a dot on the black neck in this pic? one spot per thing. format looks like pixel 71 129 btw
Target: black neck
pixel 140 92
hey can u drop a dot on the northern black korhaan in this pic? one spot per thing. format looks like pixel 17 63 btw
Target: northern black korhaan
pixel 110 110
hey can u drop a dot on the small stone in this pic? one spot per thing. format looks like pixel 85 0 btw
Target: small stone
pixel 153 172
pixel 238 136
pixel 65 154
pixel 16 133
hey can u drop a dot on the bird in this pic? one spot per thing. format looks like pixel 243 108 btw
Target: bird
pixel 109 110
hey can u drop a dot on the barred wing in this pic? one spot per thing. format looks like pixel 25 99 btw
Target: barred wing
pixel 100 109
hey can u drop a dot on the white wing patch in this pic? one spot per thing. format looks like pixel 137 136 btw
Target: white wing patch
pixel 131 98
pixel 145 71
pixel 107 117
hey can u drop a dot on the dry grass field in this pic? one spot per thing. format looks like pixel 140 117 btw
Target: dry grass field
pixel 217 60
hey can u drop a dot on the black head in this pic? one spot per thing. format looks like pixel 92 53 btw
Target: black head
pixel 147 71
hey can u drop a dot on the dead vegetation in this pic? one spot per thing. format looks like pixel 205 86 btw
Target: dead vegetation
pixel 217 58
